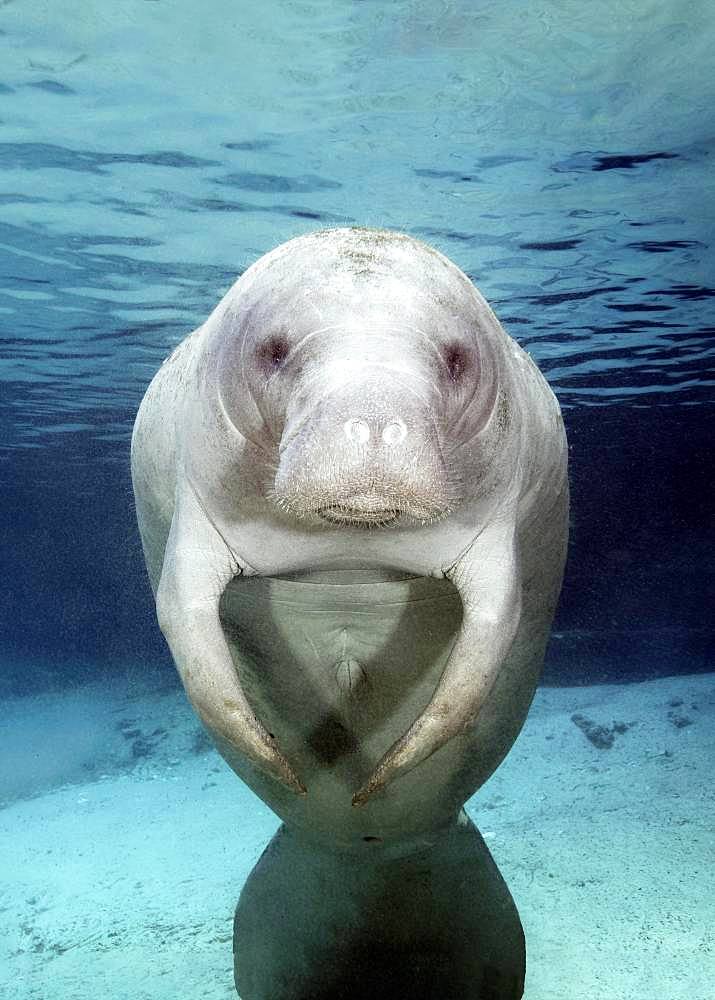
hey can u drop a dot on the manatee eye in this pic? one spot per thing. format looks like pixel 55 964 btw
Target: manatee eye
pixel 456 361
pixel 273 352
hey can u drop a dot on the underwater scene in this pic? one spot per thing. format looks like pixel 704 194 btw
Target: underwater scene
pixel 423 507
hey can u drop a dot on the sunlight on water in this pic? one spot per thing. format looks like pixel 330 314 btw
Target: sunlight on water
pixel 559 155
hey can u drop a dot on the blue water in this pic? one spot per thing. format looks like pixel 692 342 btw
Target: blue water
pixel 560 153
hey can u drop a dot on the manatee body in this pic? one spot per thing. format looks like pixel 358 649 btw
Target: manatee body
pixel 352 495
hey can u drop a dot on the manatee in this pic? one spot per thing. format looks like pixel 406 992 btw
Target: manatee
pixel 351 488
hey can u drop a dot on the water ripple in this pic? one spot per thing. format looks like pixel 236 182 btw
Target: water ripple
pixel 585 213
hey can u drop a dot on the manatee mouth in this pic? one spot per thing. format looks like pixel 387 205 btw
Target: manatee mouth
pixel 356 517
pixel 359 508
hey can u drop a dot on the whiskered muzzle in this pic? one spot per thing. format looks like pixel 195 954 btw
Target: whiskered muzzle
pixel 384 500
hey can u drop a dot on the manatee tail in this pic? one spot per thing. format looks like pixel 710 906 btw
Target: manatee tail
pixel 434 923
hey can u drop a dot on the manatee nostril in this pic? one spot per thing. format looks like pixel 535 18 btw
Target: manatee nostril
pixel 394 432
pixel 357 430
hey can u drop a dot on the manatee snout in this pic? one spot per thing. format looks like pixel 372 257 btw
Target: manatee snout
pixel 367 457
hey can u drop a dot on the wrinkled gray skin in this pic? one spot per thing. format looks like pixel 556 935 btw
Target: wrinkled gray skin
pixel 353 403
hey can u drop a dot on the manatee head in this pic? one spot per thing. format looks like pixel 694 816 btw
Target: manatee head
pixel 363 366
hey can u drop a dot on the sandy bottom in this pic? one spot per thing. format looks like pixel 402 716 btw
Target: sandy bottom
pixel 125 840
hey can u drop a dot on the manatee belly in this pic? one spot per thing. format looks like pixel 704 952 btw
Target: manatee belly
pixel 338 665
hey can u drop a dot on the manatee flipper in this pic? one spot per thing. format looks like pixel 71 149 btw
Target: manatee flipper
pixel 488 581
pixel 198 565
